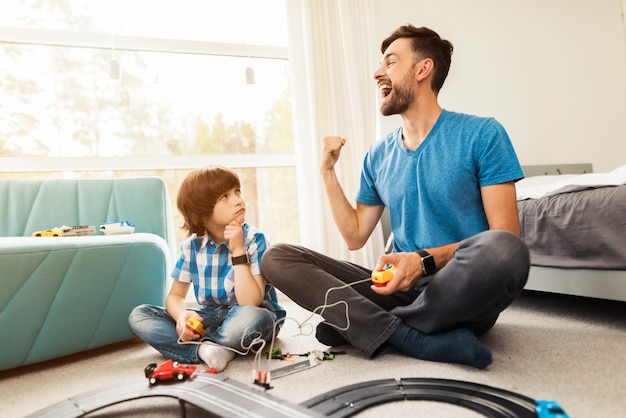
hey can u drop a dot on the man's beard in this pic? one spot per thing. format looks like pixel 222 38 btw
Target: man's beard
pixel 402 97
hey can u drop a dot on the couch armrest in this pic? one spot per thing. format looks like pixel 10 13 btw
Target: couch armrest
pixel 62 295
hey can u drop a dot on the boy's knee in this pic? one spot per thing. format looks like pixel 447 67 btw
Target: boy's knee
pixel 138 313
pixel 143 313
pixel 246 325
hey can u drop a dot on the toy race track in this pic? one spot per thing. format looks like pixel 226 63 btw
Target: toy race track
pixel 487 400
pixel 228 398
pixel 215 393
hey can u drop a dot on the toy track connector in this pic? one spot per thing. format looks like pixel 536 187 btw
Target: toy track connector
pixel 549 409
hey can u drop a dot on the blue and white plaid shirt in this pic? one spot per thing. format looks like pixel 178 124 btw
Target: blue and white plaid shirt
pixel 209 267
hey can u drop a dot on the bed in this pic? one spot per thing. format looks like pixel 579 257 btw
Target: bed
pixel 574 223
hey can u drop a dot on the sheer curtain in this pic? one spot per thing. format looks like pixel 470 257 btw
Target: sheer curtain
pixel 333 57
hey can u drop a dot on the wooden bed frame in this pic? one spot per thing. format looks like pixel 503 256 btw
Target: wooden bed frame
pixel 603 284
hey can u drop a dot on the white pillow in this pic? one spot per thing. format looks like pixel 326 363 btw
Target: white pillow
pixel 542 186
pixel 542 180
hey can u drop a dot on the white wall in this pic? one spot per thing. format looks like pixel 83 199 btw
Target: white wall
pixel 552 71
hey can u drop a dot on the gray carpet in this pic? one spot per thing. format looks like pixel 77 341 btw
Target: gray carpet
pixel 568 349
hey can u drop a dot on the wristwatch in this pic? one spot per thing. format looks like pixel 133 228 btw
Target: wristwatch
pixel 241 259
pixel 428 262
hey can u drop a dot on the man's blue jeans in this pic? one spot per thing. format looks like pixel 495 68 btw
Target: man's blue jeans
pixel 235 327
pixel 487 272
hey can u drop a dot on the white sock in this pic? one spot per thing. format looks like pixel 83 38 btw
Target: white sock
pixel 215 356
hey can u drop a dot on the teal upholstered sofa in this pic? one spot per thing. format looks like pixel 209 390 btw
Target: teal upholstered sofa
pixel 62 295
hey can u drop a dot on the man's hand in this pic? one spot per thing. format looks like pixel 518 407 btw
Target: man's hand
pixel 331 148
pixel 233 233
pixel 408 272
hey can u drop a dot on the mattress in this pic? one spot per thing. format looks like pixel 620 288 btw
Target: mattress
pixel 584 228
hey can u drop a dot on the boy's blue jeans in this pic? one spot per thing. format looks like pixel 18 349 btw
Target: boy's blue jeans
pixel 235 327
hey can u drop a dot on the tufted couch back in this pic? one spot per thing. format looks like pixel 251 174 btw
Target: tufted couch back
pixel 29 205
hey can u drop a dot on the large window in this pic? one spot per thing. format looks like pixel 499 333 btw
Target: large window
pixel 110 88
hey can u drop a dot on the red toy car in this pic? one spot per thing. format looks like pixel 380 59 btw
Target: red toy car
pixel 167 371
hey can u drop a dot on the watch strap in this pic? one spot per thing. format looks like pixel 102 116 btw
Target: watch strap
pixel 428 262
pixel 241 259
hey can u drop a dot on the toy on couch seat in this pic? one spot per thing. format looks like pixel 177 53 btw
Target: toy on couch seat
pixel 54 232
pixel 66 231
pixel 78 230
pixel 117 227
pixel 380 278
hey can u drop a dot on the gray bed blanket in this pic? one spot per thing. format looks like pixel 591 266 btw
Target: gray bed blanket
pixel 583 229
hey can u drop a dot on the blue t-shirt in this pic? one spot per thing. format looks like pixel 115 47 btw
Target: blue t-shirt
pixel 433 193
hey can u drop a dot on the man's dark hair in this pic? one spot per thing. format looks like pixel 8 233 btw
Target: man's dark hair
pixel 426 44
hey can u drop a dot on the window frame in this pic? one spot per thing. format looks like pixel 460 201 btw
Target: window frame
pixel 63 38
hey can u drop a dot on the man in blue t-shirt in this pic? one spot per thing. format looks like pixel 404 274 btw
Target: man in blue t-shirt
pixel 448 181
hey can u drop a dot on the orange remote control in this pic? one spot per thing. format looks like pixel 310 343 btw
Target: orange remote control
pixel 380 278
pixel 194 325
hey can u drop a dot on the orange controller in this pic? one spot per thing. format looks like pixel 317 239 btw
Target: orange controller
pixel 381 277
pixel 194 325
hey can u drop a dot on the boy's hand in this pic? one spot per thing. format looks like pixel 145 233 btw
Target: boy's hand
pixel 181 326
pixel 233 233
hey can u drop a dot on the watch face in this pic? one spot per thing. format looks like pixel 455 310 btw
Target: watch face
pixel 429 265
pixel 428 262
